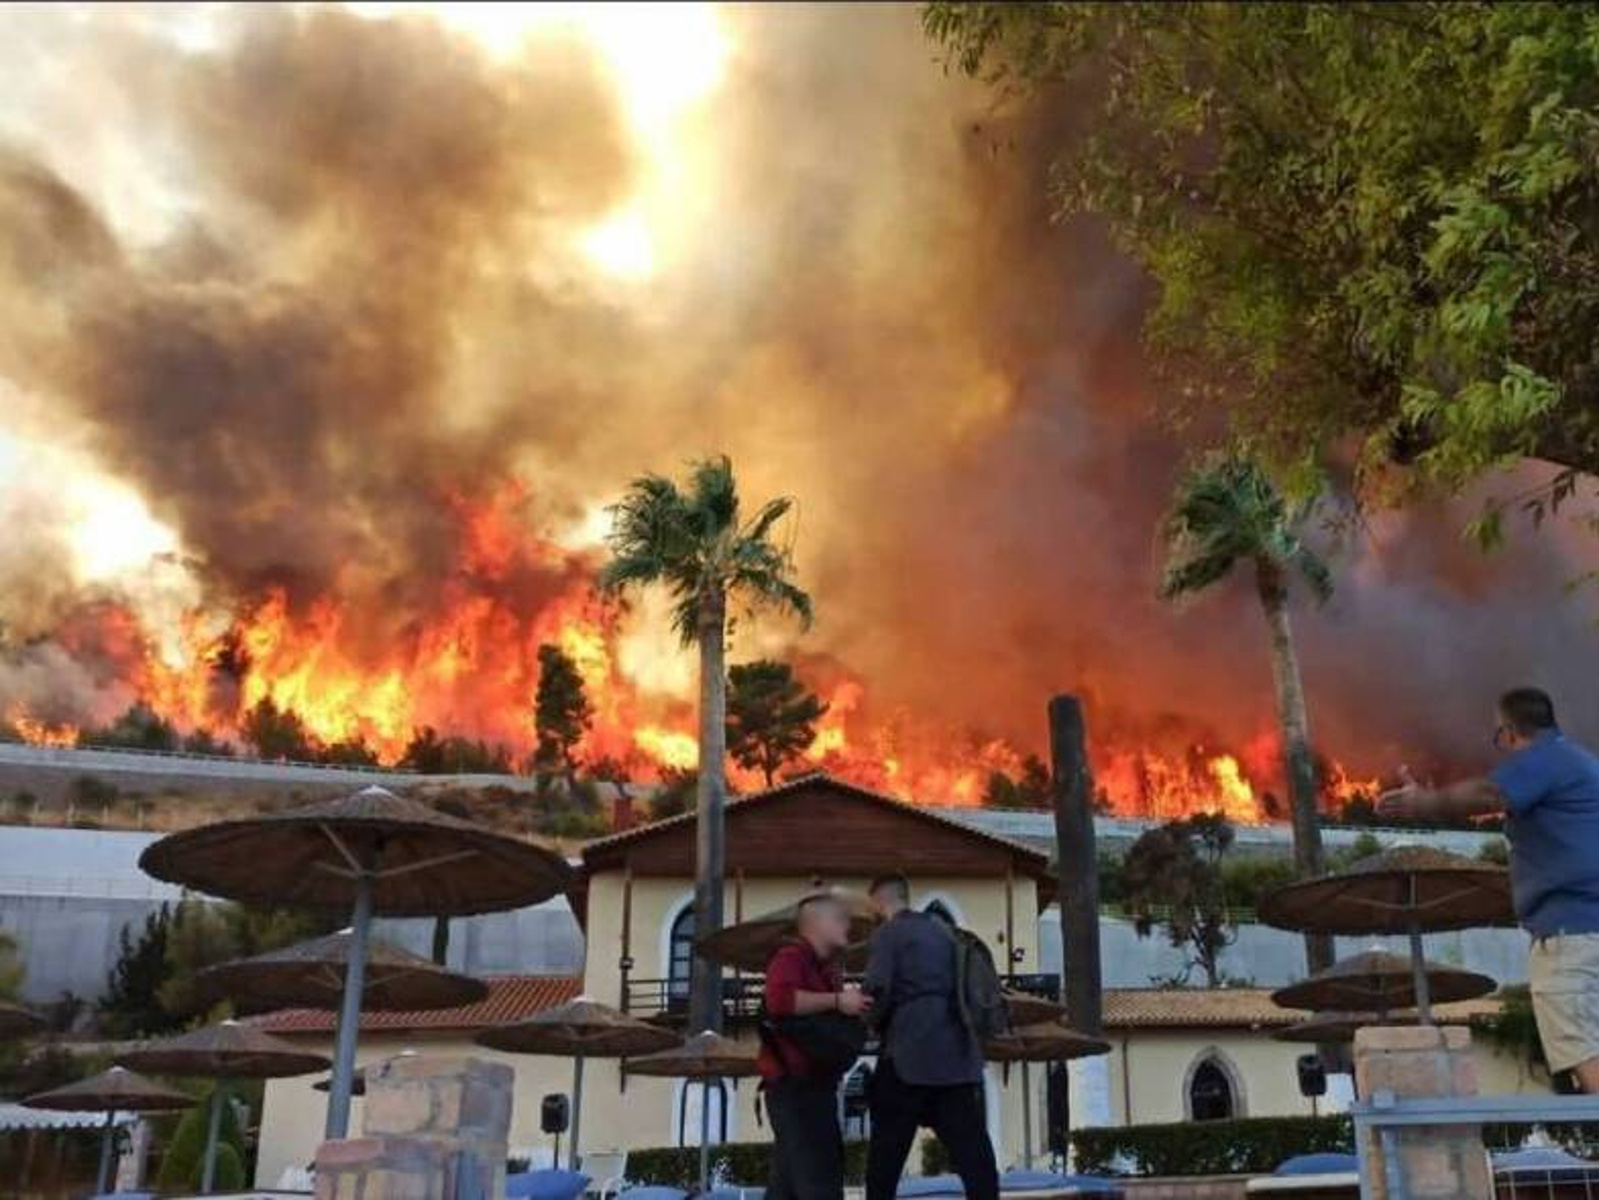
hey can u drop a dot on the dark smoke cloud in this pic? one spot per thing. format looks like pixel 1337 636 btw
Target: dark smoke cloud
pixel 363 315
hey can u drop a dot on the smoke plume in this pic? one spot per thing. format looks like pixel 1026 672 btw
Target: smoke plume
pixel 344 315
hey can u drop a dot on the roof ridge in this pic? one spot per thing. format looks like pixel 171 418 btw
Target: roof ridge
pixel 811 778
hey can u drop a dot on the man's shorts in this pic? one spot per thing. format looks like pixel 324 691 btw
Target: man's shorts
pixel 1564 971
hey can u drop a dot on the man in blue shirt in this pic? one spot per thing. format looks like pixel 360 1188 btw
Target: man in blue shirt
pixel 1548 789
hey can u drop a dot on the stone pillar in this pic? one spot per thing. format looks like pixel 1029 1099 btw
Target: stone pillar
pixel 421 1112
pixel 1440 1162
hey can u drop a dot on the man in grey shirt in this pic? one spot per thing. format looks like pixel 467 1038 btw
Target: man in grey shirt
pixel 930 1070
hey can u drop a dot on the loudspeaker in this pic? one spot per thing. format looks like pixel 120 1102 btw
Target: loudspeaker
pixel 555 1114
pixel 1312 1076
pixel 1058 1109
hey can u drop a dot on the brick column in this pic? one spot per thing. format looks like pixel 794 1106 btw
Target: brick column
pixel 420 1112
pixel 1439 1162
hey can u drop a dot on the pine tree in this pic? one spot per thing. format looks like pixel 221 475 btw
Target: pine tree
pixel 561 712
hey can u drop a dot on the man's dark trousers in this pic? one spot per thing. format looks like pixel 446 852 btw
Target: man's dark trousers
pixel 954 1114
pixel 808 1145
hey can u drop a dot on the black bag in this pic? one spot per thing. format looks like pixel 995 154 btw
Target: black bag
pixel 979 992
pixel 830 1041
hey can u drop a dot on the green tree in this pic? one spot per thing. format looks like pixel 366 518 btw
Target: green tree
pixel 429 754
pixel 183 1159
pixel 139 728
pixel 771 716
pixel 352 752
pixel 676 793
pixel 278 733
pixel 561 712
pixel 1173 876
pixel 695 541
pixel 1378 219
pixel 131 1006
pixel 12 971
pixel 203 741
pixel 1030 789
pixel 1226 514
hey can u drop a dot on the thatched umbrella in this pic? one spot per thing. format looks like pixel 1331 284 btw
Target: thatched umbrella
pixel 1381 981
pixel 222 1052
pixel 372 852
pixel 18 1022
pixel 310 974
pixel 580 1029
pixel 1409 889
pixel 749 945
pixel 1328 1027
pixel 1024 1008
pixel 111 1092
pixel 1048 1041
pixel 705 1056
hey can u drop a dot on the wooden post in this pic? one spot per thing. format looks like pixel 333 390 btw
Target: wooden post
pixel 1077 864
pixel 1010 964
pixel 625 965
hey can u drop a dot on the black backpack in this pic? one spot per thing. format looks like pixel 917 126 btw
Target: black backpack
pixel 978 990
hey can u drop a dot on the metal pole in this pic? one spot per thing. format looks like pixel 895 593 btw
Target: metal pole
pixel 208 1168
pixel 1027 1118
pixel 338 1123
pixel 577 1110
pixel 705 1135
pixel 107 1137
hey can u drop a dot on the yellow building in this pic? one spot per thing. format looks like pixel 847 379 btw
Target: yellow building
pixel 635 902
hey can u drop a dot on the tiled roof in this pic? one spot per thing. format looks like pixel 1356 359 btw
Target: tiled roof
pixel 517 997
pixel 511 998
pixel 814 779
pixel 1225 1008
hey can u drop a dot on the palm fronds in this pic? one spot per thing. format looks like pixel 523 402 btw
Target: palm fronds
pixel 1227 511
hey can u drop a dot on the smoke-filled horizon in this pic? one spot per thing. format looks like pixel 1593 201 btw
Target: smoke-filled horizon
pixel 373 315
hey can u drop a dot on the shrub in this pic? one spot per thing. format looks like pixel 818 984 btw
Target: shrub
pixel 181 1164
pixel 747 1163
pixel 1251 1145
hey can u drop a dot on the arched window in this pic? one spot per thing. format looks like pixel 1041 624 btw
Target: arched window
pixel 690 1095
pixel 1211 1096
pixel 680 956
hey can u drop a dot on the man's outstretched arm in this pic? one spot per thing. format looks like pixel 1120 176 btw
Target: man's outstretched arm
pixel 1467 798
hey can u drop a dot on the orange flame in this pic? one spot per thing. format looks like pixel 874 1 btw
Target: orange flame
pixel 40 733
pixel 467 664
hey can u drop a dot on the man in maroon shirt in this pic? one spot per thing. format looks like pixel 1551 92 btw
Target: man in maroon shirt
pixel 803 979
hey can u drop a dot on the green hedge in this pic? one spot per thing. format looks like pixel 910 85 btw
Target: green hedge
pixel 1252 1145
pixel 746 1163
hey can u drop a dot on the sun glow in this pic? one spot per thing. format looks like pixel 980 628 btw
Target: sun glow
pixel 666 60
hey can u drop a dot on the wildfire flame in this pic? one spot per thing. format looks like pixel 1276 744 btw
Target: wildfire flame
pixel 470 667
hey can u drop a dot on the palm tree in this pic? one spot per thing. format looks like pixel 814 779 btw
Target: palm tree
pixel 693 541
pixel 1227 513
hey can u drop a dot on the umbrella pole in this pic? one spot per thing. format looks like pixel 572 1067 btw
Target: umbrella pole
pixel 208 1169
pixel 107 1137
pixel 577 1111
pixel 1418 962
pixel 338 1123
pixel 705 1135
pixel 1027 1119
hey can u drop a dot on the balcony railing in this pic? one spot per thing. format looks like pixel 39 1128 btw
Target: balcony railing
pixel 666 1000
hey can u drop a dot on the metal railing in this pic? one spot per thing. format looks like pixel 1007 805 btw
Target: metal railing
pixel 1385 1114
pixel 742 996
pixel 196 756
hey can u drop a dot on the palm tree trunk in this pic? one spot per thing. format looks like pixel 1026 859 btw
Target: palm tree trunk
pixel 1299 764
pixel 705 998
